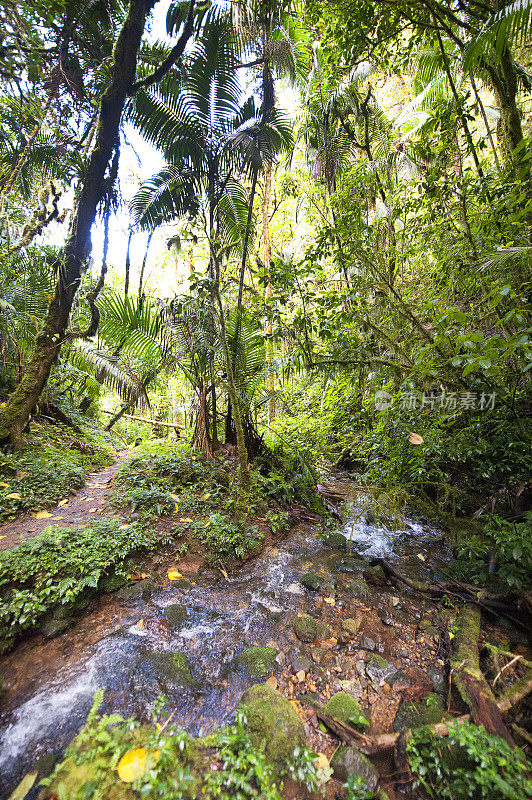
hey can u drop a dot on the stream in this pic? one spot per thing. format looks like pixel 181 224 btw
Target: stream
pixel 49 684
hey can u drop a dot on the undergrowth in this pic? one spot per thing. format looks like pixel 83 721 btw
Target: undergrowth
pixel 59 565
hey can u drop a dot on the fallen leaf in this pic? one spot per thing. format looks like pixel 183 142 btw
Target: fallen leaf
pixel 92 510
pixel 421 557
pixel 176 508
pixel 301 675
pixel 206 495
pixel 63 503
pixel 25 784
pixel 3 405
pixel 123 527
pixel 42 515
pixel 185 519
pixel 329 643
pixel 59 516
pixel 415 438
pixel 330 600
pixel 175 497
pixel 134 763
pixel 272 682
pixel 13 496
pixel 174 575
pixel 140 624
pixel 3 485
pixel 321 762
pixel 224 573
pixel 3 537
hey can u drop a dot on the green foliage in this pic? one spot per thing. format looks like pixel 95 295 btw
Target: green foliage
pixel 58 566
pixel 355 789
pixel 501 557
pixel 223 540
pixel 51 465
pixel 469 764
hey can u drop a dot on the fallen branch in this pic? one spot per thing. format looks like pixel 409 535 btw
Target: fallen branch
pixel 153 422
pixel 468 677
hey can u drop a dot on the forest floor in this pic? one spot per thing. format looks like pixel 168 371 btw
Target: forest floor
pixel 82 505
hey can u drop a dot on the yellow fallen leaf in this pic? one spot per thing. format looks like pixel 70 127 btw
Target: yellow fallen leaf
pixel 13 496
pixel 321 762
pixel 185 519
pixel 224 573
pixel 42 515
pixel 175 497
pixel 140 624
pixel 415 438
pixel 272 681
pixel 134 763
pixel 330 600
pixel 63 503
pixel 3 485
pixel 206 495
pixel 174 575
pixel 3 405
pixel 3 537
pixel 58 516
pixel 176 507
pixel 25 784
pixel 421 557
pixel 123 527
pixel 92 510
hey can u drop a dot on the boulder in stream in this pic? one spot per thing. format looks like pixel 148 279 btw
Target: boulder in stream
pixel 258 661
pixel 358 588
pixel 139 589
pixel 347 563
pixel 308 629
pixel 334 540
pixel 348 761
pixel 345 708
pixel 176 614
pixel 172 669
pixel 272 723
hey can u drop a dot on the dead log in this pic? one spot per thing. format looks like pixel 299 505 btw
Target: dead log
pixel 153 422
pixel 468 677
pixel 514 693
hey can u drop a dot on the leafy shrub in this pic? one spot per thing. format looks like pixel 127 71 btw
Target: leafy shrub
pixel 469 764
pixel 55 567
pixel 355 789
pixel 152 499
pixel 502 555
pixel 222 538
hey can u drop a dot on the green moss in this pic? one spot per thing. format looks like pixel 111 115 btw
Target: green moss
pixel 272 723
pixel 308 629
pixel 346 709
pixel 170 668
pixel 258 660
pixel 415 715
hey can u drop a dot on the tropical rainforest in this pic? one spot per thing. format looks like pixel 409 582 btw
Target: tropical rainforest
pixel 265 399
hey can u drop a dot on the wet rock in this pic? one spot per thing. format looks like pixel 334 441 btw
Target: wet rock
pixel 139 589
pixel 345 708
pixel 425 623
pixel 414 715
pixel 183 584
pixel 348 563
pixel 311 581
pixel 394 601
pixel 258 661
pixel 64 616
pixel 348 761
pixel 273 724
pixel 398 677
pixel 308 629
pixel 375 573
pixel 173 669
pixel 176 614
pixel 378 669
pixel 438 680
pixel 366 643
pixel 352 687
pixel 352 626
pixel 358 588
pixel 74 777
pixel 334 540
pixel 301 663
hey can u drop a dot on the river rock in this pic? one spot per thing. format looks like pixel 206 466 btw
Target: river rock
pixel 258 661
pixel 345 708
pixel 112 582
pixel 172 668
pixel 311 581
pixel 378 669
pixel 273 724
pixel 307 629
pixel 347 563
pixel 414 715
pixel 348 761
pixel 438 680
pixel 176 614
pixel 301 663
pixel 138 589
pixel 183 584
pixel 334 540
pixel 366 643
pixel 358 588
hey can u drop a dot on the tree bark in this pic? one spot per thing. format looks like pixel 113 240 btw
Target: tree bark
pixel 268 293
pixel 77 248
pixel 503 79
pixel 468 677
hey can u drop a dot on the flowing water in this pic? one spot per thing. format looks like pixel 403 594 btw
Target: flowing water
pixel 50 684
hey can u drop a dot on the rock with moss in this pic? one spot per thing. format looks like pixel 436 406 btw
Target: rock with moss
pixel 413 715
pixel 182 584
pixel 308 629
pixel 378 669
pixel 170 669
pixel 176 614
pixel 112 582
pixel 348 761
pixel 344 707
pixel 347 563
pixel 358 588
pixel 137 590
pixel 258 661
pixel 334 540
pixel 272 723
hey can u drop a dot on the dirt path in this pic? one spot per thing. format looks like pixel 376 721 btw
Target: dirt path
pixel 87 503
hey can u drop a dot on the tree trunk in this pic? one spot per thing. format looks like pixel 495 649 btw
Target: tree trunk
pixel 77 248
pixel 503 78
pixel 128 262
pixel 268 294
pixel 468 677
pixel 201 437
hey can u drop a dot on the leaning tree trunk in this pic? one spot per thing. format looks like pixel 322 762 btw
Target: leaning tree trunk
pixel 503 78
pixel 76 251
pixel 268 294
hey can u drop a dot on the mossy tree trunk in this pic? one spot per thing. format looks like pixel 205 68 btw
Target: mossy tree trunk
pixel 76 251
pixel 503 78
